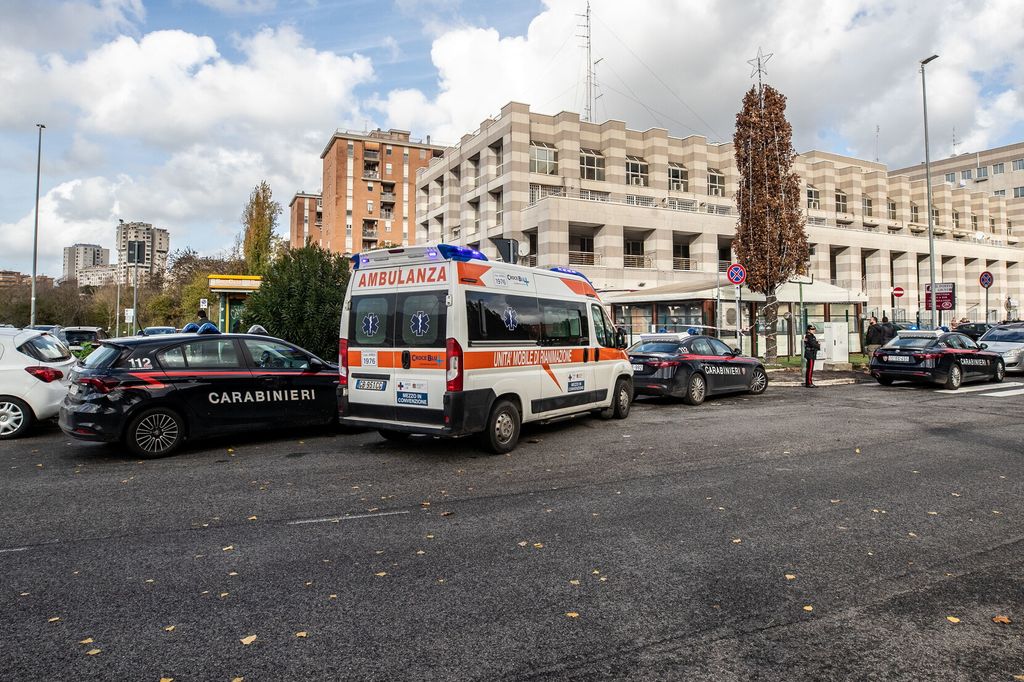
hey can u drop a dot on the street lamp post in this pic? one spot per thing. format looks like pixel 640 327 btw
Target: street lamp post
pixel 35 231
pixel 928 184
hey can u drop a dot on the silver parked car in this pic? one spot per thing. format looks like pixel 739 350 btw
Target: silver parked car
pixel 1008 341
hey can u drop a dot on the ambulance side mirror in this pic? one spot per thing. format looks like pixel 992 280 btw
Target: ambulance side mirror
pixel 620 338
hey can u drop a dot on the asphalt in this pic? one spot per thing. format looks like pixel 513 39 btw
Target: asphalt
pixel 681 543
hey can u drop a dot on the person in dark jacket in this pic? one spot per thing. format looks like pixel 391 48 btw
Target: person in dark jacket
pixel 888 330
pixel 873 336
pixel 811 347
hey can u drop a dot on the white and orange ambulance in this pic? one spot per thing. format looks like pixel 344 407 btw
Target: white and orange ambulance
pixel 439 340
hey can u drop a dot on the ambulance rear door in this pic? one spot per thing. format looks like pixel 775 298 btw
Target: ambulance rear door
pixel 420 332
pixel 371 324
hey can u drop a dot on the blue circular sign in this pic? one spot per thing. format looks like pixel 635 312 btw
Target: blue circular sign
pixel 737 274
pixel 986 280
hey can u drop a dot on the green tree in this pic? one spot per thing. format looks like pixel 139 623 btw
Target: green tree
pixel 770 238
pixel 259 220
pixel 300 299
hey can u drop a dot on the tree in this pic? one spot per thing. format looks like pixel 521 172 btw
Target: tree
pixel 770 238
pixel 259 220
pixel 300 299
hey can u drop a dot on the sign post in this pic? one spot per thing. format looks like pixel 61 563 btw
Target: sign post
pixel 737 274
pixel 986 280
pixel 944 297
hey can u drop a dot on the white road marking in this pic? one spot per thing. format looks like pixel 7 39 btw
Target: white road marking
pixel 986 387
pixel 13 549
pixel 336 519
pixel 1006 394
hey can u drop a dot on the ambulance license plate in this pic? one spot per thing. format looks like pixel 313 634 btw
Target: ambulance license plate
pixel 371 384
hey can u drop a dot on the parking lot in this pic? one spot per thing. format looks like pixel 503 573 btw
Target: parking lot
pixel 848 532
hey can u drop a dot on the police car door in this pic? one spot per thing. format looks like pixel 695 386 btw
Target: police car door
pixel 278 367
pixel 737 370
pixel 715 367
pixel 420 333
pixel 214 383
pixel 973 364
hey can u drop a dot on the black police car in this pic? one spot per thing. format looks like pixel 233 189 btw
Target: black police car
pixel 692 367
pixel 937 357
pixel 153 392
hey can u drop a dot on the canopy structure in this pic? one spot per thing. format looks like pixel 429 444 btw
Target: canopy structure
pixel 706 288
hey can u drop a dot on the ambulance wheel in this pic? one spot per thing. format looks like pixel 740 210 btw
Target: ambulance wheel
pixel 394 436
pixel 1000 372
pixel 696 389
pixel 955 377
pixel 155 433
pixel 502 432
pixel 622 398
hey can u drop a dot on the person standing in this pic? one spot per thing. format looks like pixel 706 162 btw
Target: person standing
pixel 811 347
pixel 888 330
pixel 873 336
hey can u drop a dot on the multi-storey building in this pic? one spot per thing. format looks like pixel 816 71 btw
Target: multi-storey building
pixel 157 245
pixel 997 172
pixel 645 212
pixel 13 278
pixel 83 256
pixel 305 222
pixel 369 188
pixel 98 275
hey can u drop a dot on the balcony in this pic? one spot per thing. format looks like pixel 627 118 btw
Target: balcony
pixel 631 261
pixel 918 228
pixel 387 197
pixel 369 234
pixel 584 258
pixel 530 260
pixel 844 218
pixel 939 229
pixel 685 264
pixel 371 174
pixel 371 154
pixel 723 265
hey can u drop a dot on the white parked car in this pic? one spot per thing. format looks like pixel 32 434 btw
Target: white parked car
pixel 1008 341
pixel 35 371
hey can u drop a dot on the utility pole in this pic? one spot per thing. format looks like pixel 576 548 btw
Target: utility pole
pixel 590 108
pixel 35 231
pixel 928 182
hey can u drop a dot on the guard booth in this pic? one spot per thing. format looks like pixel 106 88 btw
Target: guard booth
pixel 230 293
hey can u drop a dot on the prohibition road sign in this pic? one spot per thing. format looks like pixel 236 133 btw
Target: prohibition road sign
pixel 737 274
pixel 986 279
pixel 897 292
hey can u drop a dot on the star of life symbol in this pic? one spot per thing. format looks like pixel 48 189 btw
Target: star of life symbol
pixel 510 318
pixel 419 324
pixel 371 323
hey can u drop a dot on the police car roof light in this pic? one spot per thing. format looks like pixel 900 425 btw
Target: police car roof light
pixel 568 271
pixel 190 328
pixel 208 328
pixel 459 253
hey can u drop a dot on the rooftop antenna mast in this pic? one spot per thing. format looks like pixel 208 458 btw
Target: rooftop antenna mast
pixel 877 130
pixel 956 142
pixel 590 109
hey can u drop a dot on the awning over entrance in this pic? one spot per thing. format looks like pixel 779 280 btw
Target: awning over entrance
pixel 706 288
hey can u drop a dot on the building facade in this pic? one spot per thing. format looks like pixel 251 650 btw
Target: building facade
pixel 81 256
pixel 641 209
pixel 13 278
pixel 369 189
pixel 305 220
pixel 97 275
pixel 157 246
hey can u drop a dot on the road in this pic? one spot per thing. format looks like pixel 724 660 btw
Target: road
pixel 799 535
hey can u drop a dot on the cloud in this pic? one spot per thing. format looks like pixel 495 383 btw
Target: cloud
pixel 45 25
pixel 240 6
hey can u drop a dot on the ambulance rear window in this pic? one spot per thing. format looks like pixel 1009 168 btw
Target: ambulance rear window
pixel 370 322
pixel 422 319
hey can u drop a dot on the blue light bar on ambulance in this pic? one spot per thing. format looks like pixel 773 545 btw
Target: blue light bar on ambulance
pixel 568 271
pixel 458 253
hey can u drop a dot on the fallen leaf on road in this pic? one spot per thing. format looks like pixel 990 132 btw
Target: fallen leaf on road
pixel 166 679
pixel 150 580
pixel 574 582
pixel 92 652
pixel 223 594
pixel 1001 619
pixel 24 594
pixel 790 576
pixel 301 635
pixel 88 640
pixel 430 537
pixel 955 494
pixel 595 572
pixel 251 518
pixel 381 574
pixel 933 513
pixel 808 608
pixel 248 640
pixel 169 628
pixel 835 501
pixel 333 596
pixel 420 552
pixel 736 541
pixel 446 513
pixel 995 511
pixel 227 549
pixel 538 545
pixel 857 450
pixel 572 614
pixel 913 535
pixel 53 620
pixel 233 573
pixel 524 543
pixel 424 504
pixel 309 583
pixel 603 578
pixel 952 619
pixel 237 679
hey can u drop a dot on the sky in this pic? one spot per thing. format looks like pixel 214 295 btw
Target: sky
pixel 171 112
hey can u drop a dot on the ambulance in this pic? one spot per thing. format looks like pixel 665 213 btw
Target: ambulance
pixel 440 340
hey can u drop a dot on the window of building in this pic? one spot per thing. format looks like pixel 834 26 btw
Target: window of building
pixel 999 193
pixel 499 207
pixel 974 223
pixel 499 158
pixel 914 217
pixel 998 168
pixel 935 215
pixel 1018 192
pixel 1018 164
pixel 387 168
pixel 841 202
pixel 678 177
pixel 992 224
pixel 387 150
pixel 982 172
pixel 891 206
pixel 423 153
pixel 591 195
pixel 351 150
pixel 369 207
pixel 637 171
pixel 965 174
pixel 543 158
pixel 813 197
pixel 951 177
pixel 369 187
pixel 538 192
pixel 591 164
pixel 637 200
pixel 633 247
pixel 716 183
pixel 956 220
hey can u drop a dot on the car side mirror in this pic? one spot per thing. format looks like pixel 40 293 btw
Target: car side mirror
pixel 316 364
pixel 737 351
pixel 620 338
pixel 983 346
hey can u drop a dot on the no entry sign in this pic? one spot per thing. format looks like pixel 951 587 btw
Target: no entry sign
pixel 898 292
pixel 737 274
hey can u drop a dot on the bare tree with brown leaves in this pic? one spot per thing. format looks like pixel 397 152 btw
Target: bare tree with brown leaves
pixel 770 238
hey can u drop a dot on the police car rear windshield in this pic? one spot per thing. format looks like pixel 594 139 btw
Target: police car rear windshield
pixel 102 357
pixel 911 342
pixel 1005 334
pixel 655 347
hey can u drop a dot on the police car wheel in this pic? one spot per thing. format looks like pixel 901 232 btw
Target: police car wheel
pixel 696 389
pixel 15 418
pixel 1000 372
pixel 955 377
pixel 502 432
pixel 155 433
pixel 393 435
pixel 758 382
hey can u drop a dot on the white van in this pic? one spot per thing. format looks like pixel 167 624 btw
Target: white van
pixel 439 340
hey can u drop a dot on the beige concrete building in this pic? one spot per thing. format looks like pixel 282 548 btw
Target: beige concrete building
pixel 81 256
pixel 369 188
pixel 641 210
pixel 158 245
pixel 305 220
pixel 97 275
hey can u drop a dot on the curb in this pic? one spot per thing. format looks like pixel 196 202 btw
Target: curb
pixel 819 382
